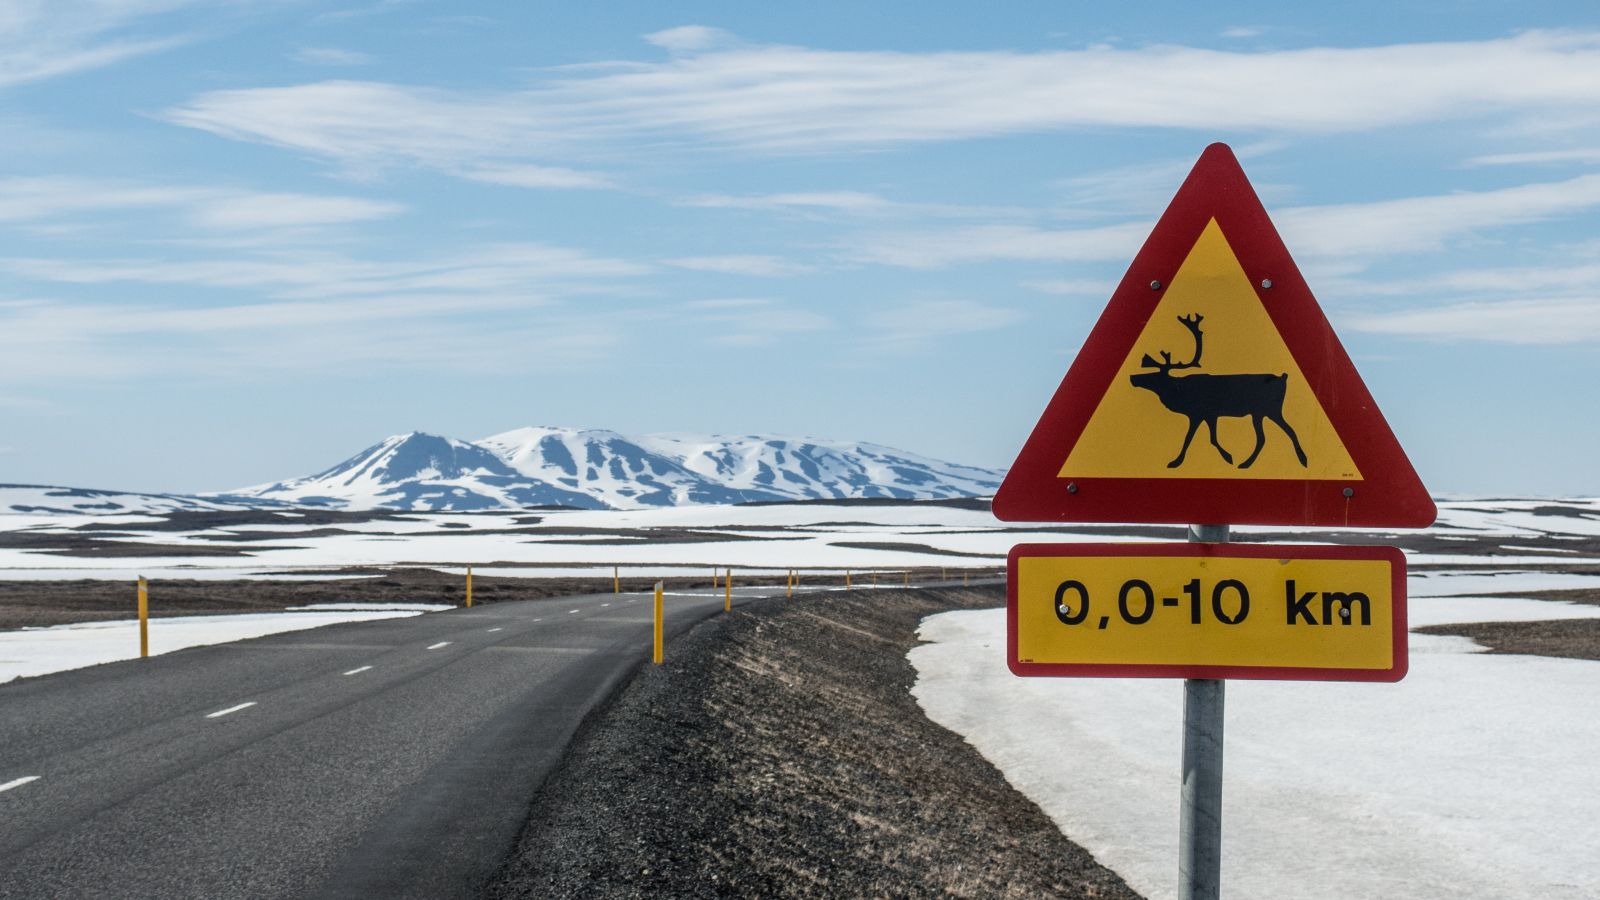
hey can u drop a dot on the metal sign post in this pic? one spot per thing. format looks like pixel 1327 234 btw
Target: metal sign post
pixel 1200 816
pixel 1212 325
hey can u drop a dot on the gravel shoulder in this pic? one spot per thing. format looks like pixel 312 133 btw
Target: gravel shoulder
pixel 779 753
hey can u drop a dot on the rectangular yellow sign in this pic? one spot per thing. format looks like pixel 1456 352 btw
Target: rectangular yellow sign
pixel 1328 613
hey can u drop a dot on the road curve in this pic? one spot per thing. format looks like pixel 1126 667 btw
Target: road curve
pixel 394 758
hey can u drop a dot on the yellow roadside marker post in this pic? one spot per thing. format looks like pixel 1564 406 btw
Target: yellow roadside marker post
pixel 616 581
pixel 847 579
pixel 907 574
pixel 727 590
pixel 788 585
pixel 469 587
pixel 144 618
pixel 874 579
pixel 657 656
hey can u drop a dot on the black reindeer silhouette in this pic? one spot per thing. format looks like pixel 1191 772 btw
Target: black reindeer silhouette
pixel 1205 398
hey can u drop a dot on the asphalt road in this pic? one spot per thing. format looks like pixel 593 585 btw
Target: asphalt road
pixel 395 758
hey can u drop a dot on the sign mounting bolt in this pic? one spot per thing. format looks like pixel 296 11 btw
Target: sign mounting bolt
pixel 1155 285
pixel 1266 282
pixel 1072 487
pixel 1349 492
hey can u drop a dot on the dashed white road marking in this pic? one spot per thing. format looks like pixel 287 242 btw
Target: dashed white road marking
pixel 605 604
pixel 358 671
pixel 18 782
pixel 438 645
pixel 571 611
pixel 493 630
pixel 538 620
pixel 232 709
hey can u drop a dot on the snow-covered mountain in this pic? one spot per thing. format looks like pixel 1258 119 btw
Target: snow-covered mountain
pixel 594 469
pixel 420 471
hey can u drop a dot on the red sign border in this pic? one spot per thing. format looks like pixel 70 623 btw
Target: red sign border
pixel 1389 493
pixel 1397 560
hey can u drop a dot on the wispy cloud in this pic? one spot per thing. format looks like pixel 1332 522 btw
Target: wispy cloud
pixel 798 99
pixel 753 321
pixel 1419 224
pixel 508 270
pixel 502 308
pixel 1147 184
pixel 331 56
pixel 861 204
pixel 44 320
pixel 1581 156
pixel 54 198
pixel 691 38
pixel 380 8
pixel 29 199
pixel 468 20
pixel 1351 231
pixel 844 201
pixel 1555 303
pixel 1562 320
pixel 531 176
pixel 936 249
pixel 1073 287
pixel 40 40
pixel 241 210
pixel 55 342
pixel 748 264
pixel 1583 278
pixel 916 325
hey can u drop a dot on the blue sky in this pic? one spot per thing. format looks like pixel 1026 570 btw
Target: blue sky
pixel 242 240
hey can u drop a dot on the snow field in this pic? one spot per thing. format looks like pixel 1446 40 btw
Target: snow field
pixel 785 536
pixel 40 651
pixel 1473 777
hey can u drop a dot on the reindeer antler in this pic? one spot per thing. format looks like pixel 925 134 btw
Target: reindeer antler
pixel 1191 322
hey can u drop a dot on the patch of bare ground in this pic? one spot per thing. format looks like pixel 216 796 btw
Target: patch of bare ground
pixel 909 547
pixel 1565 638
pixel 26 604
pixel 30 604
pixel 1590 596
pixel 779 753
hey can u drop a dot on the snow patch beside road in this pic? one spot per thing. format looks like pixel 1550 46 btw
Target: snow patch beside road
pixel 1473 777
pixel 40 651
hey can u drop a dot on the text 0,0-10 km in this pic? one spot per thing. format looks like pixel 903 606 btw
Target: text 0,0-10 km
pixel 1224 610
pixel 1136 602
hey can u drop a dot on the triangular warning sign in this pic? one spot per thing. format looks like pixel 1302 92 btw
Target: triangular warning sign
pixel 1213 391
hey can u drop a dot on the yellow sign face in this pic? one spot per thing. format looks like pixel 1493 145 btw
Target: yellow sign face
pixel 1254 611
pixel 1210 390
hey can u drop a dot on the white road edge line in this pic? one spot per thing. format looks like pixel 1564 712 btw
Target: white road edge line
pixel 232 709
pixel 18 782
pixel 358 671
pixel 438 645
